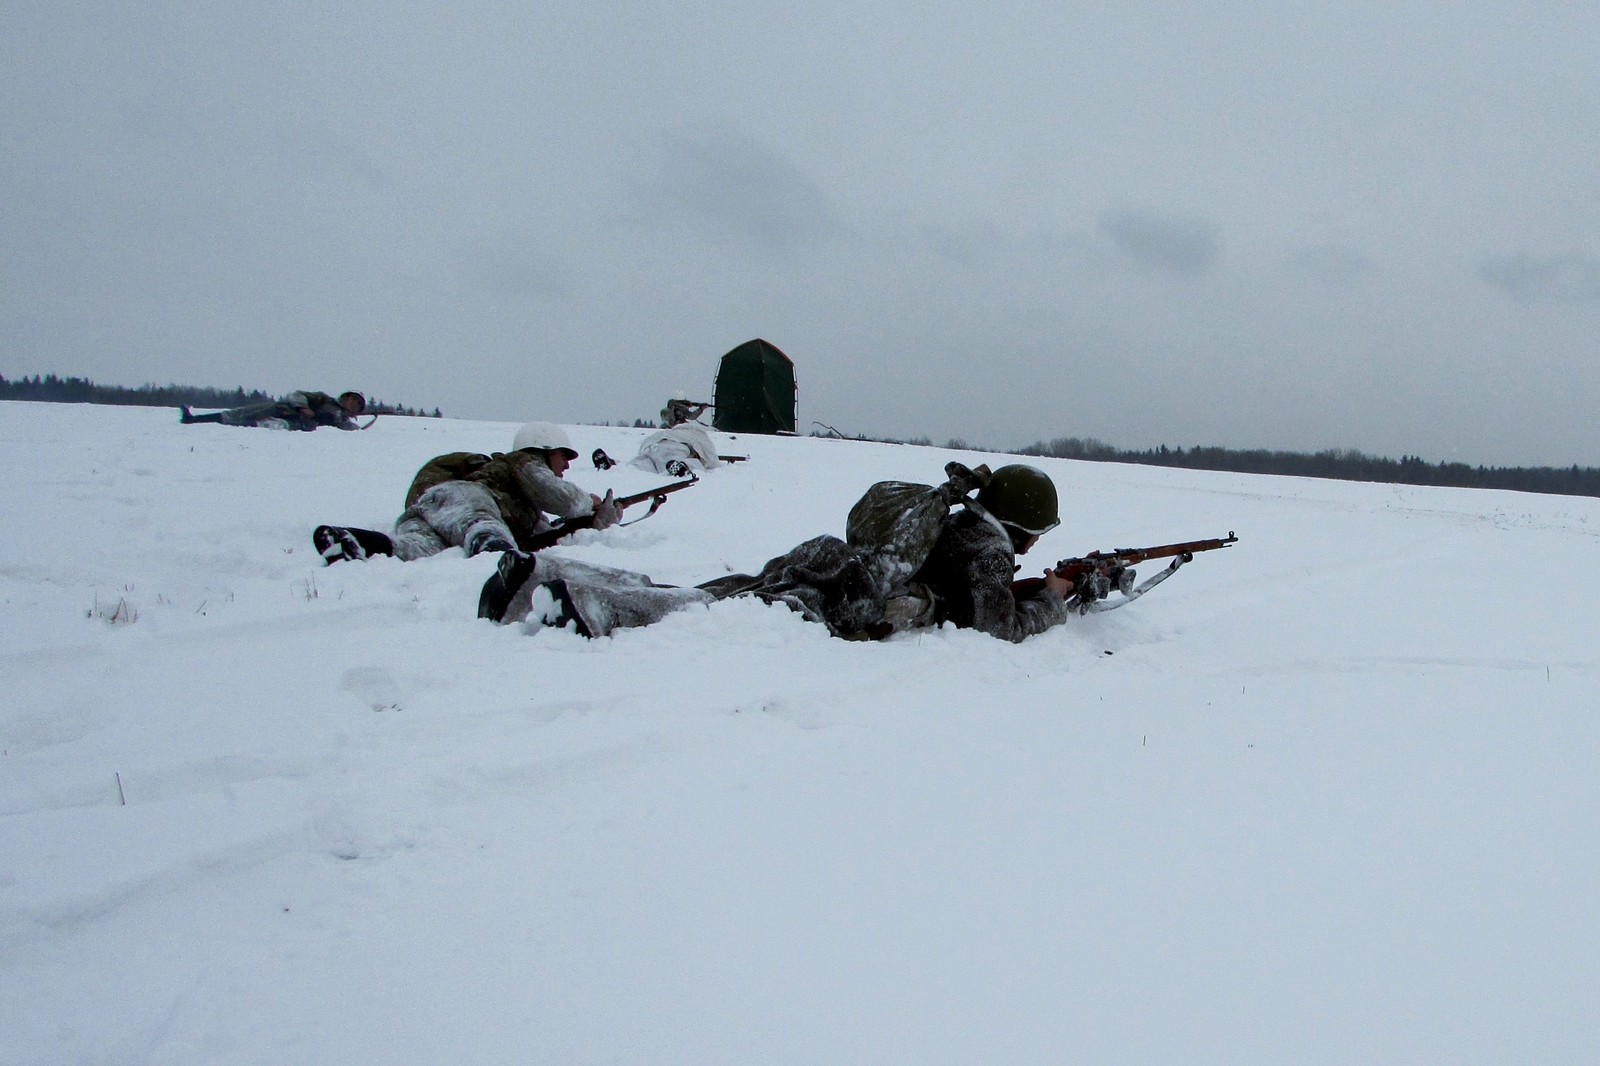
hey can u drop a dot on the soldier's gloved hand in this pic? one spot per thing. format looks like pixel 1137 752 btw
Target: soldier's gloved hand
pixel 606 512
pixel 1122 579
pixel 1093 586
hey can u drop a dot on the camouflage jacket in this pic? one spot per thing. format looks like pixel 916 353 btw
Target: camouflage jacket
pixel 969 574
pixel 824 579
pixel 522 483
pixel 325 411
pixel 966 581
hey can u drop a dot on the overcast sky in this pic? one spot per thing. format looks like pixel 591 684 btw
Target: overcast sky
pixel 1297 226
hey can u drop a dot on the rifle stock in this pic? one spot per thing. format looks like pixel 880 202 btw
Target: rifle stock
pixel 656 496
pixel 1111 565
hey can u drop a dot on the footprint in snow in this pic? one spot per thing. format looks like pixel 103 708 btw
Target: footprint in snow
pixel 373 686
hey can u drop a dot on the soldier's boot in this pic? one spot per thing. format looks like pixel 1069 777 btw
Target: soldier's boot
pixel 553 608
pixel 337 544
pixel 515 570
pixel 487 537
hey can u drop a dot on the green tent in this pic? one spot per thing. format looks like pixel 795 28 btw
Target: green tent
pixel 755 390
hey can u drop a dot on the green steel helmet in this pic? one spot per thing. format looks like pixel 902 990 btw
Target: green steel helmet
pixel 1022 497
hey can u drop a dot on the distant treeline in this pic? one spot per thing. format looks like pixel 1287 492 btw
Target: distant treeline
pixel 1340 464
pixel 53 389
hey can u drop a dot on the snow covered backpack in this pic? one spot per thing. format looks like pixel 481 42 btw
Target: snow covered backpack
pixel 452 466
pixel 896 523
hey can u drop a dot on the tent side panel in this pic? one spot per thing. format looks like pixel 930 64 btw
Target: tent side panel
pixel 755 390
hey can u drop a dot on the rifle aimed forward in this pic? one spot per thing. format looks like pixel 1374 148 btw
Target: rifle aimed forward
pixel 1093 576
pixel 338 543
pixel 657 496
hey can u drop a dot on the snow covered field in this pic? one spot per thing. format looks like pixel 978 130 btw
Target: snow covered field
pixel 1329 796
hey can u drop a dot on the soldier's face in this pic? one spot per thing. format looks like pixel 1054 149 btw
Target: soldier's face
pixel 559 463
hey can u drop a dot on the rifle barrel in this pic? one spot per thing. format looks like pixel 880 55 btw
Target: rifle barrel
pixel 640 497
pixel 1107 562
pixel 572 525
pixel 1165 551
pixel 1129 556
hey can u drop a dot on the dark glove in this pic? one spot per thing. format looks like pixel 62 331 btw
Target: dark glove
pixel 1093 586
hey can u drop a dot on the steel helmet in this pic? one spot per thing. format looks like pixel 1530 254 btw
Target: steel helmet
pixel 545 436
pixel 1022 497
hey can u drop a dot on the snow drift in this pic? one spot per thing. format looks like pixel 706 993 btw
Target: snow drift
pixel 1329 796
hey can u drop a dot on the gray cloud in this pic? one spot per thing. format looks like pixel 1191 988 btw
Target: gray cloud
pixel 1332 265
pixel 1568 278
pixel 1163 242
pixel 514 268
pixel 972 247
pixel 318 149
pixel 203 193
pixel 727 181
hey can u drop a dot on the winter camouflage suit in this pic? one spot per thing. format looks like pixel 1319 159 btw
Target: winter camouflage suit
pixel 858 592
pixel 288 413
pixel 969 574
pixel 686 444
pixel 484 503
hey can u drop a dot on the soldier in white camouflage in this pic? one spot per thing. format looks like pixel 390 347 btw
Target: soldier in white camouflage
pixel 480 503
pixel 498 502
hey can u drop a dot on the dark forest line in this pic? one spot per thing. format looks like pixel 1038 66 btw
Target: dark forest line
pixel 53 389
pixel 1338 464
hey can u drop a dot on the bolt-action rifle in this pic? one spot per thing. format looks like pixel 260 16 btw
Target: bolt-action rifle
pixel 657 496
pixel 1095 575
pixel 679 411
pixel 338 543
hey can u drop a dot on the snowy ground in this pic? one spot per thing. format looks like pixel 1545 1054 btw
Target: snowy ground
pixel 1328 796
